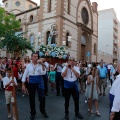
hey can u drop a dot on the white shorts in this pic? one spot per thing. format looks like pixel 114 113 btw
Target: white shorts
pixel 9 97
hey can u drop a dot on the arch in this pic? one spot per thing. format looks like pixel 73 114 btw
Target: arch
pixel 83 40
pixel 31 18
pixel 47 36
pixel 19 19
pixel 95 48
pixel 67 43
pixel 84 46
pixel 90 9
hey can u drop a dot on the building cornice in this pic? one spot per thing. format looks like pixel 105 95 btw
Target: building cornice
pixel 27 0
pixel 84 27
pixel 27 11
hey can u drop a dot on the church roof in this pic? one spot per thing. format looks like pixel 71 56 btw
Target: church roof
pixel 27 0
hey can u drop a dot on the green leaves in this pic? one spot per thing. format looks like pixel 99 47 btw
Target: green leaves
pixel 15 43
pixel 8 27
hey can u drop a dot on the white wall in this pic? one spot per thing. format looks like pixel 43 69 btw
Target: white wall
pixel 105 31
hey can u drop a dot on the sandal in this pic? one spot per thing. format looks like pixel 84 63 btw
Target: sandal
pixel 98 113
pixel 91 111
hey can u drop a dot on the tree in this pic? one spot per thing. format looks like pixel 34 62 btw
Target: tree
pixel 8 26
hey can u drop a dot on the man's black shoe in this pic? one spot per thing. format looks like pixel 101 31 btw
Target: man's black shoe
pixel 79 115
pixel 32 117
pixel 45 115
pixel 67 117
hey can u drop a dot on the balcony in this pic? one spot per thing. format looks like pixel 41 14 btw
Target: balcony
pixel 115 42
pixel 115 27
pixel 115 49
pixel 115 57
pixel 115 34
pixel 115 21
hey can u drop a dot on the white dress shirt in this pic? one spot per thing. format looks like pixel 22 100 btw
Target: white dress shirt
pixel 59 68
pixel 70 76
pixel 115 90
pixel 110 66
pixel 32 70
pixel 6 80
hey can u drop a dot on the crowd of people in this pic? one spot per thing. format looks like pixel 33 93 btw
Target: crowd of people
pixel 31 74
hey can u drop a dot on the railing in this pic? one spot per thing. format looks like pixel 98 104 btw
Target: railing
pixel 115 49
pixel 115 27
pixel 115 21
pixel 115 41
pixel 115 34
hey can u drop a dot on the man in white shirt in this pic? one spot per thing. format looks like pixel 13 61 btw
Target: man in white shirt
pixel 70 73
pixel 35 71
pixel 109 67
pixel 114 97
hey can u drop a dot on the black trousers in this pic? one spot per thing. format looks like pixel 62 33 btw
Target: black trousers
pixel 109 74
pixel 45 78
pixel 117 116
pixel 59 83
pixel 75 94
pixel 33 87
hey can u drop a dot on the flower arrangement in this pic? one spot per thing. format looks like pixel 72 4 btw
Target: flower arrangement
pixel 53 51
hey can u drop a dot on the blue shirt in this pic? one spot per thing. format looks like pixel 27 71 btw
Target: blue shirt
pixel 102 72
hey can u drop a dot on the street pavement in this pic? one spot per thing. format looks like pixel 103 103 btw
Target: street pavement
pixel 55 107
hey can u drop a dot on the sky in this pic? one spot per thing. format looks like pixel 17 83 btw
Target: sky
pixel 102 4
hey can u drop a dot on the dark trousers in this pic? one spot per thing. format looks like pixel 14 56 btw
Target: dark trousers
pixel 117 116
pixel 109 74
pixel 45 78
pixel 111 82
pixel 2 84
pixel 75 94
pixel 59 83
pixel 33 87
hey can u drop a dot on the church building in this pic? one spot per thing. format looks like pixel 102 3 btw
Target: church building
pixel 72 23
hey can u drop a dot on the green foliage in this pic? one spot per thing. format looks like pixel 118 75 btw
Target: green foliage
pixel 8 26
pixel 15 43
pixel 8 22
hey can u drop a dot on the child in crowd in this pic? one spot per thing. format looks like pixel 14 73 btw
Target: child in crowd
pixel 52 76
pixel 8 83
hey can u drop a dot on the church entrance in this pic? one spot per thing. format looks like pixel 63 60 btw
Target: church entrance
pixel 83 48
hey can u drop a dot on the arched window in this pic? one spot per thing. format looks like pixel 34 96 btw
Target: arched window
pixel 31 18
pixel 68 10
pixel 47 36
pixel 49 5
pixel 20 20
pixel 67 43
pixel 32 40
